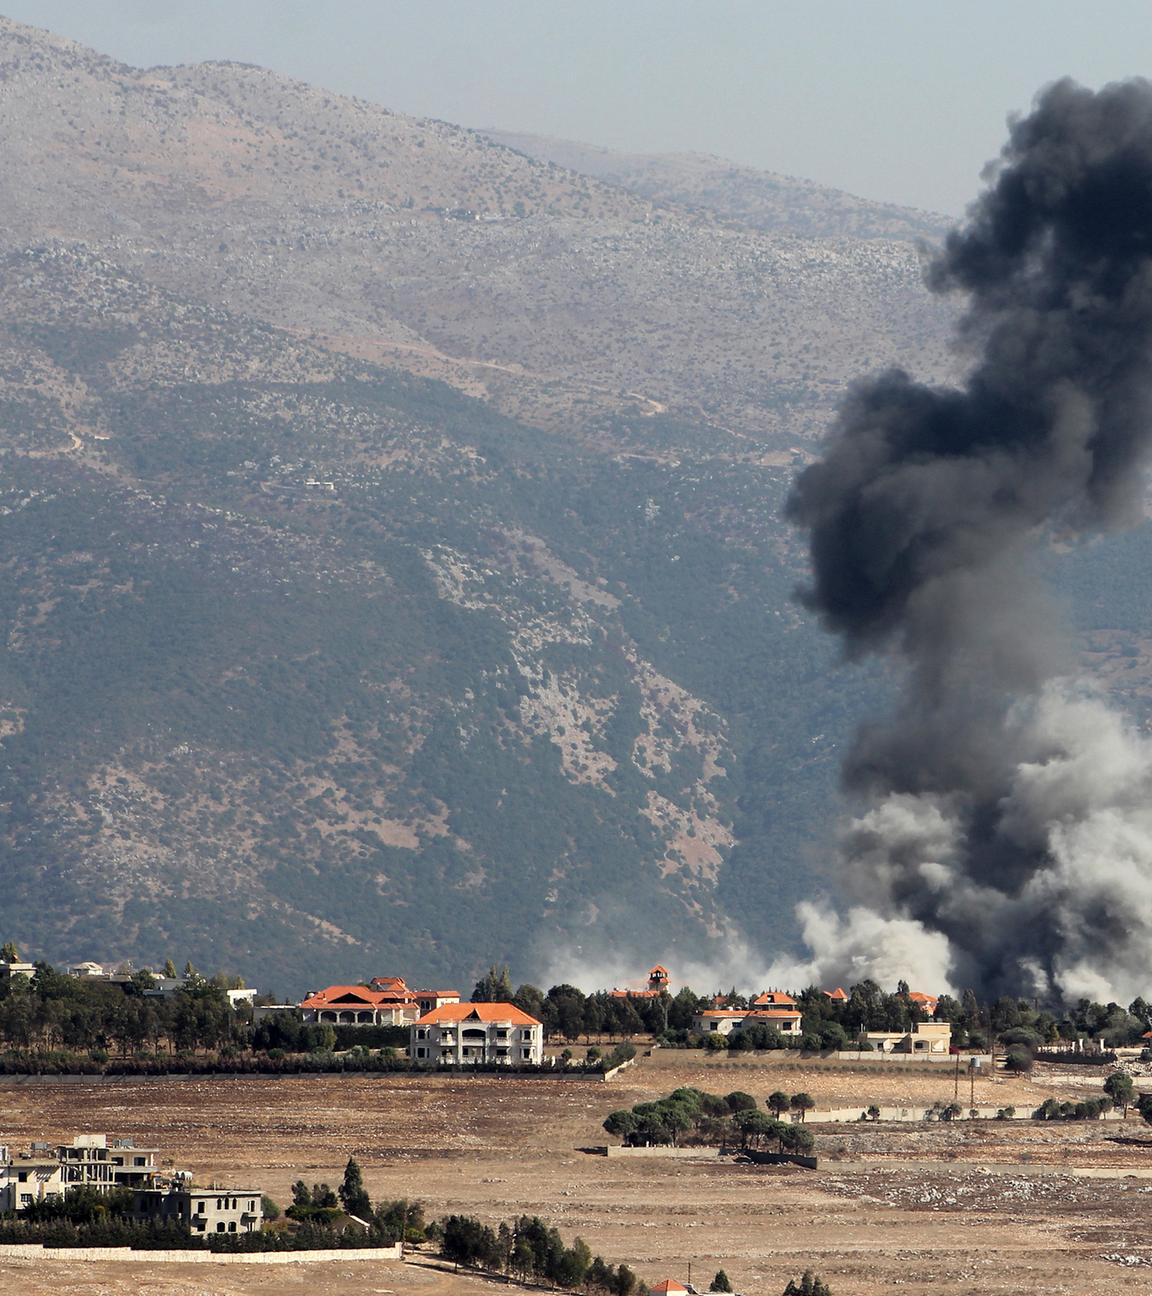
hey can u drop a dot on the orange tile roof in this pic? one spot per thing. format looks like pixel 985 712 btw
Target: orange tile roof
pixel 773 997
pixel 840 995
pixel 349 996
pixel 669 1285
pixel 485 1012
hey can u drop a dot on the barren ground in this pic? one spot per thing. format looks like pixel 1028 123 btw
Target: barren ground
pixel 499 1147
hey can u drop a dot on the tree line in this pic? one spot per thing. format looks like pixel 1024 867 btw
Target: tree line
pixel 51 1012
pixel 530 1250
pixel 690 1115
pixel 826 1024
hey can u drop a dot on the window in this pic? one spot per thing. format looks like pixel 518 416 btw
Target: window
pixel 220 1226
pixel 25 1199
pixel 201 1207
pixel 421 1052
pixel 422 1033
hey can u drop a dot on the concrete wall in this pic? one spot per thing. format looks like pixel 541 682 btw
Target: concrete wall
pixel 843 1114
pixel 791 1059
pixel 904 1059
pixel 14 1251
pixel 663 1151
pixel 609 1075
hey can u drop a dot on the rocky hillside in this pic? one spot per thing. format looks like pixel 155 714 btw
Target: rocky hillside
pixel 761 200
pixel 556 295
pixel 312 666
pixel 391 569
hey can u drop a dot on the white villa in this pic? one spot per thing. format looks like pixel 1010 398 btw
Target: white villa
pixel 924 1037
pixel 769 1008
pixel 464 1034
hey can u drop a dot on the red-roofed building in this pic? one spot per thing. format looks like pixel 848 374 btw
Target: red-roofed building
pixel 839 995
pixel 926 1002
pixel 658 979
pixel 356 1005
pixel 467 1034
pixel 384 1001
pixel 670 1287
pixel 773 999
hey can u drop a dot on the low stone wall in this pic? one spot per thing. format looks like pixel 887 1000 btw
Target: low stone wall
pixel 37 1253
pixel 611 1075
pixel 710 1154
pixel 662 1150
pixel 793 1059
pixel 909 1059
pixel 841 1115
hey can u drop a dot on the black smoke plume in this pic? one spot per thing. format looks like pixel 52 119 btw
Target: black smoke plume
pixel 1010 810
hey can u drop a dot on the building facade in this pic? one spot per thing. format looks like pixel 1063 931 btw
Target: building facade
pixel 726 1021
pixel 95 1161
pixel 472 1034
pixel 924 1037
pixel 384 1001
pixel 202 1211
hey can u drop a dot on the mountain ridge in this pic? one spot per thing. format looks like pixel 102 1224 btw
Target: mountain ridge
pixel 392 580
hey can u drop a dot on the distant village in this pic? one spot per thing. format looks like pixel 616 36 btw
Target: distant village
pixel 445 1030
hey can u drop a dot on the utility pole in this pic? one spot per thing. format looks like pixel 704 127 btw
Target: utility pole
pixel 956 1085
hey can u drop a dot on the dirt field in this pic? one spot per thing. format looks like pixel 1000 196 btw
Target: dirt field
pixel 497 1148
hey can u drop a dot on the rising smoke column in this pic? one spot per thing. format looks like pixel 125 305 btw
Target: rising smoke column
pixel 1010 810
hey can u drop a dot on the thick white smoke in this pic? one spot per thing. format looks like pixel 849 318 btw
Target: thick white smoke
pixel 1079 799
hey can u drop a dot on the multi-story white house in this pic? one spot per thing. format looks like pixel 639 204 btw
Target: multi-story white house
pixel 465 1034
pixel 95 1161
pixel 202 1210
pixel 27 1179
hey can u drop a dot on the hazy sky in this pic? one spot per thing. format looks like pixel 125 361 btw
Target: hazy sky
pixel 894 100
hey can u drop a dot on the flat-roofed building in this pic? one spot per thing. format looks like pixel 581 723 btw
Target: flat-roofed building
pixel 28 1179
pixel 202 1211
